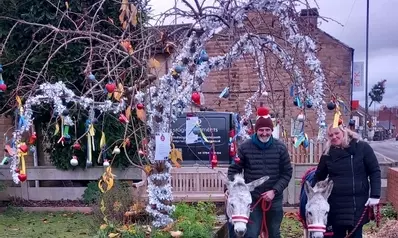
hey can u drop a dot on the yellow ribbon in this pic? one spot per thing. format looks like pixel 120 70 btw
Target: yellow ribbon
pixel 336 119
pixel 108 179
pixel 175 155
pixel 21 156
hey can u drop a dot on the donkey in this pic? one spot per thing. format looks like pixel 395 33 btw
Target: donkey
pixel 239 200
pixel 317 207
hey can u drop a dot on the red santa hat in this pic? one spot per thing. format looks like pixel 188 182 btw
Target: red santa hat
pixel 263 119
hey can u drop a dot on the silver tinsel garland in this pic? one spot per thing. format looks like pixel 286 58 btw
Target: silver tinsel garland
pixel 172 96
pixel 55 94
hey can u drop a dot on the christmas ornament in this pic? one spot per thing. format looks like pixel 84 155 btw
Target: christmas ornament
pixel 32 138
pixel 23 147
pixel 140 106
pixel 123 119
pixel 331 105
pixel 91 77
pixel 76 146
pixel 116 150
pixel 214 160
pixel 351 122
pixel 224 93
pixel 196 98
pixel 106 163
pixel 74 162
pixel 22 177
pixel 110 87
pixel 3 86
pixel 179 69
pixel 300 117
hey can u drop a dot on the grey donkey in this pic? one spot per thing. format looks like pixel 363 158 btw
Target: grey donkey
pixel 317 207
pixel 238 204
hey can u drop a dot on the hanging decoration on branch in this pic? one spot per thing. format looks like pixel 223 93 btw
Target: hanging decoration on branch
pixel 377 92
pixel 54 94
pixel 3 86
pixel 180 87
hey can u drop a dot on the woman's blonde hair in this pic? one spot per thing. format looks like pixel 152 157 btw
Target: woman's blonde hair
pixel 348 135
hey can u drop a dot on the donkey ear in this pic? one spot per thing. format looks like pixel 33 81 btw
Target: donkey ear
pixel 326 193
pixel 308 189
pixel 223 177
pixel 253 184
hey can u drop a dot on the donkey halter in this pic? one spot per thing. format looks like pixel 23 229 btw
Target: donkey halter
pixel 316 228
pixel 240 218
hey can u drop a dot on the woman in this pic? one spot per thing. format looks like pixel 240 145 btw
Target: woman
pixel 349 162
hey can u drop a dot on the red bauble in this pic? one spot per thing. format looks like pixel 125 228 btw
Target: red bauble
pixel 22 177
pixel 3 87
pixel 110 87
pixel 340 122
pixel 23 148
pixel 196 97
pixel 17 170
pixel 140 106
pixel 77 146
pixel 123 119
pixel 32 138
pixel 214 161
pixel 262 111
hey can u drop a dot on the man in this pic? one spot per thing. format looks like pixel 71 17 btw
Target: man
pixel 263 155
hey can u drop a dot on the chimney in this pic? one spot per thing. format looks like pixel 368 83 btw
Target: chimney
pixel 310 16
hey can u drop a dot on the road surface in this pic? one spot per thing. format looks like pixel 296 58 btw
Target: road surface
pixel 386 148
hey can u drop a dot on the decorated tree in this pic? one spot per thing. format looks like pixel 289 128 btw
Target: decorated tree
pixel 113 78
pixel 377 92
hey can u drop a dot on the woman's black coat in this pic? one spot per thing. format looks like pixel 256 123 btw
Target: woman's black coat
pixel 350 170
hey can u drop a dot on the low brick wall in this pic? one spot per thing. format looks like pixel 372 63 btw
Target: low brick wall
pixel 392 185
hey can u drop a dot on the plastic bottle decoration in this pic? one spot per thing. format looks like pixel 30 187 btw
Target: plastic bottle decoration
pixel 102 146
pixel 22 152
pixel 224 93
pixel 32 138
pixel 196 98
pixel 90 142
pixel 3 86
pixel 214 160
pixel 308 103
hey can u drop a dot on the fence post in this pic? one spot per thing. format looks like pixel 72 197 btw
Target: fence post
pixel 311 151
pixel 291 188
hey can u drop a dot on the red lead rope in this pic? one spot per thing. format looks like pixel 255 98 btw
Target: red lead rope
pixel 265 206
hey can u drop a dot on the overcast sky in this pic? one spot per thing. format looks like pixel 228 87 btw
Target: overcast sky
pixel 383 39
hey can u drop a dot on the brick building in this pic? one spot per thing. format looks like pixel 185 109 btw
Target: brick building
pixel 336 60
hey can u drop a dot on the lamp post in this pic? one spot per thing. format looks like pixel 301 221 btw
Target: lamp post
pixel 366 67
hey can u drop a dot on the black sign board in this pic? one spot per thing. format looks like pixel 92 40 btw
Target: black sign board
pixel 215 126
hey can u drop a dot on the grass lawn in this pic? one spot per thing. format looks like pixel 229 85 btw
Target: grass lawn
pixel 14 223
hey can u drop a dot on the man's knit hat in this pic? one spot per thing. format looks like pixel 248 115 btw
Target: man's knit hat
pixel 263 119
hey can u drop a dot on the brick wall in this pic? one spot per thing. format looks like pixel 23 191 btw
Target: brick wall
pixel 242 78
pixel 392 185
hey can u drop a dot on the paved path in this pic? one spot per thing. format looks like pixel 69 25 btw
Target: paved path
pixel 387 150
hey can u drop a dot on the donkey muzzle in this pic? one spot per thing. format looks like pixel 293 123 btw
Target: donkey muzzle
pixel 316 228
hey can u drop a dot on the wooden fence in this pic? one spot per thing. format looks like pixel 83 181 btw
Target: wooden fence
pixel 189 183
pixel 311 154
